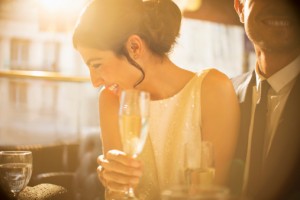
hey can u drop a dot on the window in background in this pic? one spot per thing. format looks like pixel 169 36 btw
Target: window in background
pixel 19 55
pixel 204 44
pixel 18 95
pixel 51 56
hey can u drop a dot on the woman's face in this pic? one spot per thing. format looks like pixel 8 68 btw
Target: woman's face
pixel 109 70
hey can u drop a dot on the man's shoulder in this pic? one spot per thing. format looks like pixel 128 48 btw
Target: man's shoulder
pixel 242 79
pixel 241 82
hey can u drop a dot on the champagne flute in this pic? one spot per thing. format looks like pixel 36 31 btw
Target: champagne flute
pixel 199 159
pixel 133 121
pixel 15 171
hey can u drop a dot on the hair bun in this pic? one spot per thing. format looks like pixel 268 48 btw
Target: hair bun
pixel 162 21
pixel 106 24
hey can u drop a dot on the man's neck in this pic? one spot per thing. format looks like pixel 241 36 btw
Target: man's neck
pixel 271 62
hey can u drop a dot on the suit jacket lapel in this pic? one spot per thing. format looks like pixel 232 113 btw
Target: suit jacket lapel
pixel 284 154
pixel 243 86
pixel 245 97
pixel 288 127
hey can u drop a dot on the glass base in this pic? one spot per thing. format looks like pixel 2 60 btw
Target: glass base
pixel 113 195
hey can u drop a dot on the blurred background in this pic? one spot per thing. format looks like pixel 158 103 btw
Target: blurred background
pixel 46 98
pixel 46 95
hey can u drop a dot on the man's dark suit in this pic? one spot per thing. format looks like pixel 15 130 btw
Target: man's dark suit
pixel 281 173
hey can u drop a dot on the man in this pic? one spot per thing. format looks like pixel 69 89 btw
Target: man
pixel 269 153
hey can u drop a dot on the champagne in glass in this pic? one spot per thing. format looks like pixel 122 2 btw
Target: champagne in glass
pixel 15 171
pixel 200 168
pixel 133 121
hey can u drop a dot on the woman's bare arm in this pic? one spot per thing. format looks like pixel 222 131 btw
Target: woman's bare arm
pixel 116 169
pixel 108 110
pixel 220 120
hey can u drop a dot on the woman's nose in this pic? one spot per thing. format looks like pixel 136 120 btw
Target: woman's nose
pixel 96 80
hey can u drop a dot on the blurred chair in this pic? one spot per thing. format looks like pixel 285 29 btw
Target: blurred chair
pixel 39 192
pixel 61 179
pixel 86 183
pixel 44 192
pixel 57 166
pixel 51 165
pixel 71 166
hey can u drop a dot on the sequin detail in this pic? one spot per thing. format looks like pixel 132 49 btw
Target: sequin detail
pixel 173 122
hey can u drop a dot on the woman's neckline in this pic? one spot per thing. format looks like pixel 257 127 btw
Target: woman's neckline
pixel 179 91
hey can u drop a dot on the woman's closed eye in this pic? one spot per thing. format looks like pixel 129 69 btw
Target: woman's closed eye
pixel 94 62
pixel 96 65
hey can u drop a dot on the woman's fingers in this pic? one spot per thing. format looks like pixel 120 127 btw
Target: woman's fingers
pixel 100 171
pixel 117 167
pixel 121 157
pixel 113 186
pixel 101 159
pixel 111 176
pixel 117 171
pixel 121 163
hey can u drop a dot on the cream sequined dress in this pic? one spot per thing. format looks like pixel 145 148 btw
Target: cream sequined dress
pixel 174 122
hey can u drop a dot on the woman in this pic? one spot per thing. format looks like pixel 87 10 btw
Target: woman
pixel 125 44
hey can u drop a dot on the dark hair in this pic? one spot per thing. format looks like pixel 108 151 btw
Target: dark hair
pixel 107 24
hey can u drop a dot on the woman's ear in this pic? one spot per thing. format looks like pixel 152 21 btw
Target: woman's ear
pixel 239 8
pixel 134 46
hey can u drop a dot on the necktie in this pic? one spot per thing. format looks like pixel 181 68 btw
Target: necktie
pixel 258 138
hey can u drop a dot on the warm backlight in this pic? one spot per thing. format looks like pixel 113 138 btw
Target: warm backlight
pixel 55 5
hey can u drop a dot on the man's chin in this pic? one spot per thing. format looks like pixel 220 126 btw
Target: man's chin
pixel 279 46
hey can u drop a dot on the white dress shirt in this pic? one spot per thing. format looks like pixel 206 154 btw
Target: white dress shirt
pixel 281 84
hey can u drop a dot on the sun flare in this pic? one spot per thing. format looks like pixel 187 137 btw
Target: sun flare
pixel 55 5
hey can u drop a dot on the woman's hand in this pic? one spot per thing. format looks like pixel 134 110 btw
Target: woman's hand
pixel 117 171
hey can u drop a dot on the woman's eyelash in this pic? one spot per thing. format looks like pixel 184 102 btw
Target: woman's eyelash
pixel 96 65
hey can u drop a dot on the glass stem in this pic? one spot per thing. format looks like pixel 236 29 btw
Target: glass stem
pixel 131 192
pixel 15 195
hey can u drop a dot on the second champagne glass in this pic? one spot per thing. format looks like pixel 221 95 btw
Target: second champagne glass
pixel 200 169
pixel 15 171
pixel 133 121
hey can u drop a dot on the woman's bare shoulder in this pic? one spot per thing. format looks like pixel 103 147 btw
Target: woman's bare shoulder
pixel 217 81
